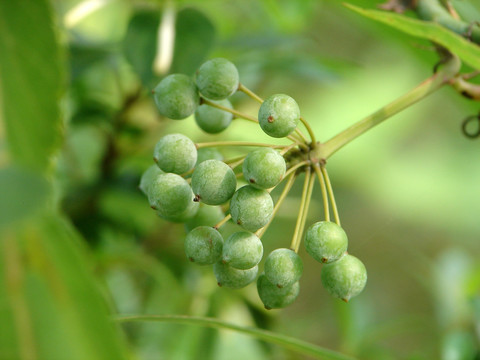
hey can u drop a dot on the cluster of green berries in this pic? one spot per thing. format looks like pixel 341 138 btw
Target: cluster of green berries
pixel 192 184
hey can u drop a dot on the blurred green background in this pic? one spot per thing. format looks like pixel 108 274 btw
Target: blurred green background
pixel 80 243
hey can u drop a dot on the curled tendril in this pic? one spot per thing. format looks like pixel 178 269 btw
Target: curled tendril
pixel 465 123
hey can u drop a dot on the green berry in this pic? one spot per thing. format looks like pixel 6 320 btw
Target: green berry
pixel 207 216
pixel 176 96
pixel 283 267
pixel 208 153
pixel 217 79
pixel 186 215
pixel 213 182
pixel 279 115
pixel 203 245
pixel 251 208
pixel 175 153
pixel 170 194
pixel 213 120
pixel 274 297
pixel 325 241
pixel 148 177
pixel 233 278
pixel 344 278
pixel 263 168
pixel 242 250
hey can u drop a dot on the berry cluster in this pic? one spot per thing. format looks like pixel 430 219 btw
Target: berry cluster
pixel 190 182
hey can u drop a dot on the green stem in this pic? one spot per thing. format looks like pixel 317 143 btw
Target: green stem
pixel 330 194
pixel 432 84
pixel 432 10
pixel 296 233
pixel 250 93
pixel 323 188
pixel 287 342
pixel 295 167
pixel 305 211
pixel 223 222
pixel 238 143
pixel 310 131
pixel 279 202
pixel 237 163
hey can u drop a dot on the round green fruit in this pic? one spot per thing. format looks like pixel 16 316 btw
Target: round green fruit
pixel 279 115
pixel 233 278
pixel 170 194
pixel 264 168
pixel 203 245
pixel 213 182
pixel 251 208
pixel 213 120
pixel 325 241
pixel 344 278
pixel 176 96
pixel 242 250
pixel 283 267
pixel 217 79
pixel 175 153
pixel 274 297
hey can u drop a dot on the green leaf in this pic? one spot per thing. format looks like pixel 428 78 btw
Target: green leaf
pixel 466 50
pixel 50 305
pixel 31 80
pixel 194 38
pixel 287 342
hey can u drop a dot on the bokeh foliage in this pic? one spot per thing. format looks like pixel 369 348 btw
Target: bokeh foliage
pixel 78 242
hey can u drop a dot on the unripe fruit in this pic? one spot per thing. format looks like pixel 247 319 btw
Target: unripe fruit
pixel 283 267
pixel 176 96
pixel 148 178
pixel 208 153
pixel 279 115
pixel 263 168
pixel 213 120
pixel 170 194
pixel 233 278
pixel 325 241
pixel 344 278
pixel 217 79
pixel 175 153
pixel 274 297
pixel 213 182
pixel 251 208
pixel 242 250
pixel 203 245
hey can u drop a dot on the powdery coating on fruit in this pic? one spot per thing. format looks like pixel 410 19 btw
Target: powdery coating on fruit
pixel 170 194
pixel 203 245
pixel 176 96
pixel 274 297
pixel 148 178
pixel 242 250
pixel 217 79
pixel 184 216
pixel 325 241
pixel 233 278
pixel 279 115
pixel 208 153
pixel 214 182
pixel 213 120
pixel 251 208
pixel 264 168
pixel 175 153
pixel 344 278
pixel 206 216
pixel 283 267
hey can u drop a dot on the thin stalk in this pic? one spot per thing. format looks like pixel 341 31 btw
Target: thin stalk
pixel 279 202
pixel 301 136
pixel 238 143
pixel 296 233
pixel 237 163
pixel 323 188
pixel 250 93
pixel 429 86
pixel 295 167
pixel 305 211
pixel 330 194
pixel 285 150
pixel 224 221
pixel 239 175
pixel 285 341
pixel 235 159
pixel 310 131
pixel 237 113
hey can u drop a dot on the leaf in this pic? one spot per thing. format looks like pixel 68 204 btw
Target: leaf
pixel 194 38
pixel 287 342
pixel 31 81
pixel 466 50
pixel 50 305
pixel 23 194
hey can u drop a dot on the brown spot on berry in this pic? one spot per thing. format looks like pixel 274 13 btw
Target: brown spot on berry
pixel 279 286
pixel 324 260
pixel 268 307
pixel 191 259
pixel 153 207
pixel 345 299
pixel 219 284
pixel 196 198
pixel 270 119
pixel 239 222
pixel 155 159
pixel 252 181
